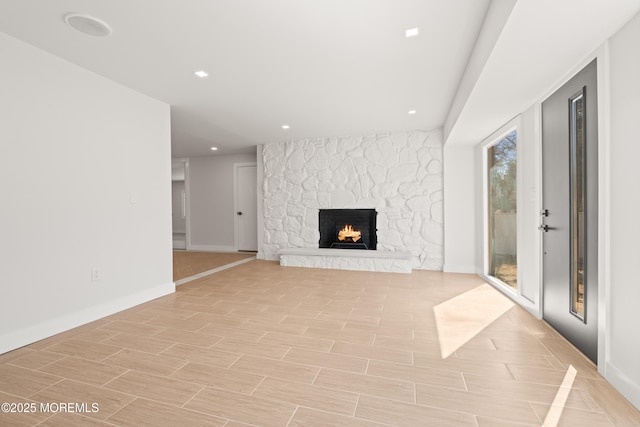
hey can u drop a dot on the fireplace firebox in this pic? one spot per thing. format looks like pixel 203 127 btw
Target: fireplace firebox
pixel 348 228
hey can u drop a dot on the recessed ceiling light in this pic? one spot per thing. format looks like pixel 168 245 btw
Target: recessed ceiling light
pixel 286 127
pixel 411 112
pixel 201 73
pixel 87 24
pixel 411 32
pixel 214 148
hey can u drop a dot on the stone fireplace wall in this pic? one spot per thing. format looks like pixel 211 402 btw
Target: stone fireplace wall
pixel 398 174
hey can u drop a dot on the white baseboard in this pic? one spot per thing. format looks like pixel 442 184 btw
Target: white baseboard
pixel 179 244
pixel 448 268
pixel 625 385
pixel 48 328
pixel 210 248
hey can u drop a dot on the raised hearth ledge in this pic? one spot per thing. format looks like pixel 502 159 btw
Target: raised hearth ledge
pixel 346 259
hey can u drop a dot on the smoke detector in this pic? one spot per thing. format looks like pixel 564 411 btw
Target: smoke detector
pixel 87 24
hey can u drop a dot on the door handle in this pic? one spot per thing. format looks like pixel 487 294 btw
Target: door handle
pixel 239 213
pixel 544 227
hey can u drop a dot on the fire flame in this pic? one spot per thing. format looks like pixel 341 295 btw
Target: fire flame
pixel 349 234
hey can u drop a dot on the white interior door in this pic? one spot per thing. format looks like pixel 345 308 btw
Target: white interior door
pixel 246 207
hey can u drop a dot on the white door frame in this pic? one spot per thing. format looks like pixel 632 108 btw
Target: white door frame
pixel 236 223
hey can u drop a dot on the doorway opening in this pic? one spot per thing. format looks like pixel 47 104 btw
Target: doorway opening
pixel 179 203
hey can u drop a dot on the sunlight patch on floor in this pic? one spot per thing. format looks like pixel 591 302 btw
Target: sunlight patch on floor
pixel 555 412
pixel 461 318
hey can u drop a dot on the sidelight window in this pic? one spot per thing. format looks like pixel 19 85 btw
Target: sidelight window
pixel 501 203
pixel 577 194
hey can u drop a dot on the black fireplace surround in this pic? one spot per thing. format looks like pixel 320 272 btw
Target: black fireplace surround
pixel 331 221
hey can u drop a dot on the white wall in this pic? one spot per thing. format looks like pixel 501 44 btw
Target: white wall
pixel 211 195
pixel 76 149
pixel 460 209
pixel 529 238
pixel 622 365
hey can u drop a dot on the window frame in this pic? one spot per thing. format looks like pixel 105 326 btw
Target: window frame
pixel 487 143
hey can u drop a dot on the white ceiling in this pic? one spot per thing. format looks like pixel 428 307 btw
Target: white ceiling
pixel 540 44
pixel 324 67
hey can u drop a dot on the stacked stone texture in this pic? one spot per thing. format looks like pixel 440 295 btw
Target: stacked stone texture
pixel 398 174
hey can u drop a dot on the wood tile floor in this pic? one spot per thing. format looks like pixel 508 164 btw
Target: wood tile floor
pixel 264 345
pixel 190 263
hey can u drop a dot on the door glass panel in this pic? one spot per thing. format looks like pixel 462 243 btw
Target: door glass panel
pixel 577 186
pixel 502 204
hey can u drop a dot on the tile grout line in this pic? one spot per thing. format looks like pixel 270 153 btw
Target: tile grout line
pixel 292 415
pixel 190 399
pixel 264 378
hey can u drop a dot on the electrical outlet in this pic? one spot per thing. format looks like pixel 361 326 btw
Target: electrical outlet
pixel 95 274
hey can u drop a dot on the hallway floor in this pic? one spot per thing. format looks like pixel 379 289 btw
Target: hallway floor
pixel 190 263
pixel 264 345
